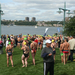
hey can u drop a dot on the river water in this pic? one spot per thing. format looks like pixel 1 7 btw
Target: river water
pixel 28 30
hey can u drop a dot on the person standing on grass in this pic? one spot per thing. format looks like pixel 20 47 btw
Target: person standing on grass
pixel 19 41
pixel 61 50
pixel 72 48
pixel 9 53
pixel 66 50
pixel 53 45
pixel 47 55
pixel 33 47
pixel 25 55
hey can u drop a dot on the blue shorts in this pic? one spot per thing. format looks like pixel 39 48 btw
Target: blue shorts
pixel 39 43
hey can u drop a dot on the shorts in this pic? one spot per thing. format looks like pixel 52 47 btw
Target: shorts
pixel 26 55
pixel 39 43
pixel 34 50
pixel 65 51
pixel 9 53
pixel 54 52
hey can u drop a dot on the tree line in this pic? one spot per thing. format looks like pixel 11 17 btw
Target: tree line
pixel 28 23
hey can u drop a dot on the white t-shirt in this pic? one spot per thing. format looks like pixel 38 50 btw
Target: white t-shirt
pixel 7 43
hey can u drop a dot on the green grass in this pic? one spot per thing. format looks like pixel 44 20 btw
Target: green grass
pixel 59 68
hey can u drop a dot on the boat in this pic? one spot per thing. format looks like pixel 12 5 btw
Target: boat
pixel 35 26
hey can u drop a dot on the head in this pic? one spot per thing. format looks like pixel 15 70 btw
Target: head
pixel 66 40
pixel 48 43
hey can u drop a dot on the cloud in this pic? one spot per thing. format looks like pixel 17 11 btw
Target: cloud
pixel 42 10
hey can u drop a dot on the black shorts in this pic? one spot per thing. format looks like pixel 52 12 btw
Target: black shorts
pixel 9 53
pixel 54 52
pixel 26 55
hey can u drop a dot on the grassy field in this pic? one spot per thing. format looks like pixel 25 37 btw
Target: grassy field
pixel 59 68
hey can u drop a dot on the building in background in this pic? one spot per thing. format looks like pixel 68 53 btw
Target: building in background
pixel 66 19
pixel 27 19
pixel 33 19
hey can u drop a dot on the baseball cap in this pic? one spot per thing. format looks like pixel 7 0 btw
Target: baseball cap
pixel 48 41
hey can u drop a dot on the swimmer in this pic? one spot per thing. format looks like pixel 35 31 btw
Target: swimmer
pixel 33 47
pixel 53 45
pixel 66 50
pixel 25 54
pixel 61 50
pixel 9 53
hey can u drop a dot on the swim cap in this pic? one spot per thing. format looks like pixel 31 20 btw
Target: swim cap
pixel 8 38
pixel 29 35
pixel 24 43
pixel 25 38
pixel 52 41
pixel 9 43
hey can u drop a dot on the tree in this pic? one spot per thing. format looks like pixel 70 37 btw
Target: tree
pixel 69 28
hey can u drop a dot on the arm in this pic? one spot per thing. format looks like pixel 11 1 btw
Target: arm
pixel 31 45
pixel 22 48
pixel 43 51
pixel 69 49
pixel 6 49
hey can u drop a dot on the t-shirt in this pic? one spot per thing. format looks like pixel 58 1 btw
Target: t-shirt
pixel 48 58
pixel 72 44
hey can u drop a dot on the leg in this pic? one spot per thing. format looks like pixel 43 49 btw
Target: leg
pixel 26 61
pixel 18 45
pixel 23 57
pixel 33 56
pixel 54 57
pixel 45 68
pixel 7 60
pixel 11 60
pixel 51 68
pixel 64 58
pixel 71 55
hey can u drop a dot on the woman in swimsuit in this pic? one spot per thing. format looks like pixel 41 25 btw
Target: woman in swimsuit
pixel 9 53
pixel 25 54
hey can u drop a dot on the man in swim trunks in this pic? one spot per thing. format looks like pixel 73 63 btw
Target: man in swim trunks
pixel 33 47
pixel 66 50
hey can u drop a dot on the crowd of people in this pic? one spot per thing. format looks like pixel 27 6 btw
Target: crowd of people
pixel 32 43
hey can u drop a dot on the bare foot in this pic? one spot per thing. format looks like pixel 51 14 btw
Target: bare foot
pixel 23 66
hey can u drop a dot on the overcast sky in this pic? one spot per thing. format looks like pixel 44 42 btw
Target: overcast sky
pixel 43 10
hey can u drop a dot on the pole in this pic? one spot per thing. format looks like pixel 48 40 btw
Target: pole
pixel 0 20
pixel 64 13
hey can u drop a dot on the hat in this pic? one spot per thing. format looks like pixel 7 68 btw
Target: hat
pixel 48 41
pixel 24 43
pixel 9 43
pixel 25 38
pixel 52 41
